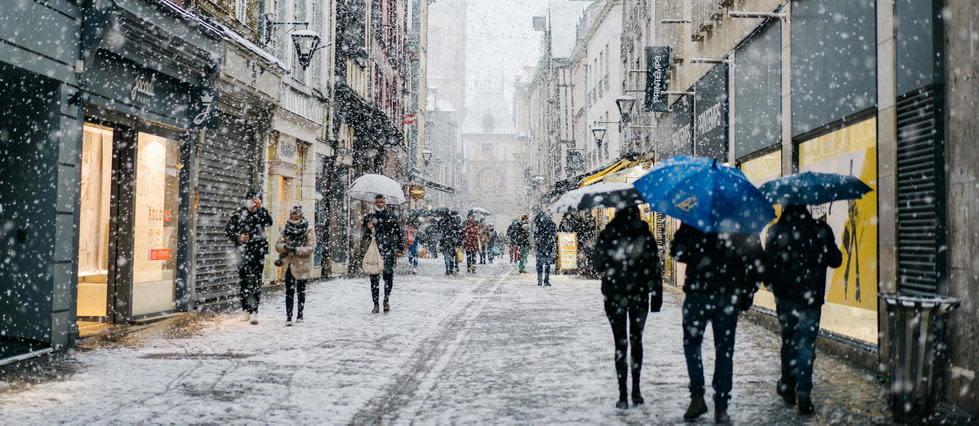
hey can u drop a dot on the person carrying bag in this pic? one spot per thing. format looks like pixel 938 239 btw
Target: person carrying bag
pixel 373 264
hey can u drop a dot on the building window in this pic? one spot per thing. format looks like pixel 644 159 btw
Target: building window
pixel 241 10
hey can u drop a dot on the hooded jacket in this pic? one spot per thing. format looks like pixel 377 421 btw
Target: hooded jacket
pixel 545 233
pixel 798 249
pixel 627 257
pixel 518 234
pixel 719 262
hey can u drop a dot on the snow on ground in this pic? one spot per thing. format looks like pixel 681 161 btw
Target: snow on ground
pixel 490 348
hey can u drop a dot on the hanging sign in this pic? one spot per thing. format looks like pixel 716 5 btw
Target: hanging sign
pixel 657 78
pixel 710 112
pixel 203 109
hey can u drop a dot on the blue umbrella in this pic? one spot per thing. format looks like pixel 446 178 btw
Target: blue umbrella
pixel 811 188
pixel 708 196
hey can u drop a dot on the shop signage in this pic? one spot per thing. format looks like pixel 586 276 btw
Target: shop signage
pixel 657 78
pixel 203 109
pixel 144 85
pixel 681 141
pixel 567 243
pixel 711 111
pixel 159 254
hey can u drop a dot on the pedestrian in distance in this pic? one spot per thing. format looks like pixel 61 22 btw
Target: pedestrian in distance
pixel 521 239
pixel 412 240
pixel 626 256
pixel 295 247
pixel 246 229
pixel 545 239
pixel 471 243
pixel 798 249
pixel 484 238
pixel 511 239
pixel 493 244
pixel 723 270
pixel 384 225
pixel 450 234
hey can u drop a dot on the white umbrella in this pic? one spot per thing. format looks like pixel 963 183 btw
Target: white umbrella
pixel 599 195
pixel 480 210
pixel 366 187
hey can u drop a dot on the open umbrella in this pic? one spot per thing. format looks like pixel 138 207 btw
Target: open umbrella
pixel 599 195
pixel 366 187
pixel 811 188
pixel 708 196
pixel 479 210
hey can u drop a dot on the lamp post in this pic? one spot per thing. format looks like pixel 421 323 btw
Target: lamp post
pixel 599 134
pixel 625 104
pixel 426 156
pixel 307 42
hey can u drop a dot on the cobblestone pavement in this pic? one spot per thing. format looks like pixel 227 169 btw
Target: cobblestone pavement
pixel 490 348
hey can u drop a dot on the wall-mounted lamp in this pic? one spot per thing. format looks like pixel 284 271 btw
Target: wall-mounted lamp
pixel 625 104
pixel 599 134
pixel 426 156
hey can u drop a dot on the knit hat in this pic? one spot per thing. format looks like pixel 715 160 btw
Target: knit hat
pixel 297 209
pixel 254 192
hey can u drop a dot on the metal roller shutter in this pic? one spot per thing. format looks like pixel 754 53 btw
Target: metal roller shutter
pixel 225 162
pixel 920 193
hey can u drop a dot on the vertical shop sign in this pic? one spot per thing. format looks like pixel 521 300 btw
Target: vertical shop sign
pixel 657 78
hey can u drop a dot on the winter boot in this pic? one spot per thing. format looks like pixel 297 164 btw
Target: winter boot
pixel 387 307
pixel 376 309
pixel 786 392
pixel 244 316
pixel 721 418
pixel 805 406
pixel 696 409
pixel 636 393
pixel 254 320
pixel 288 323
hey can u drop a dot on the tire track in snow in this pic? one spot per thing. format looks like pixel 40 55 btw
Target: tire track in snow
pixel 428 361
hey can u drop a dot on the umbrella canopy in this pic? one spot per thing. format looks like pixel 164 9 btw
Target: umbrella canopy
pixel 708 196
pixel 600 195
pixel 814 188
pixel 442 211
pixel 366 187
pixel 479 210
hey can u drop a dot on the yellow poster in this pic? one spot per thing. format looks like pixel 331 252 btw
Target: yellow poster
pixel 567 250
pixel 851 290
pixel 760 170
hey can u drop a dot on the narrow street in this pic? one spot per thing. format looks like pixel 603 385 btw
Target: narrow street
pixel 493 348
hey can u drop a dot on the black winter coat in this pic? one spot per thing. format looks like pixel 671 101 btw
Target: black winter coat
pixel 719 262
pixel 252 223
pixel 627 257
pixel 387 227
pixel 518 234
pixel 545 233
pixel 451 228
pixel 798 249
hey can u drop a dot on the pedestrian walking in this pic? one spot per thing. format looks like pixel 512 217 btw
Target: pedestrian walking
pixel 521 239
pixel 384 226
pixel 471 243
pixel 295 247
pixel 450 240
pixel 493 244
pixel 511 238
pixel 412 240
pixel 484 238
pixel 798 249
pixel 545 239
pixel 626 256
pixel 722 273
pixel 246 229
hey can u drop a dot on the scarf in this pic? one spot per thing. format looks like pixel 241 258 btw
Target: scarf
pixel 295 231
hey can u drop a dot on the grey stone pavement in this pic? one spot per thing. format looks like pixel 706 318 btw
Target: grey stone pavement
pixel 491 348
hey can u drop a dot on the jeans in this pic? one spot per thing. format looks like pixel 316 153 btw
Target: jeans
pixel 250 282
pixel 524 252
pixel 621 311
pixel 720 310
pixel 450 260
pixel 413 255
pixel 544 267
pixel 388 275
pixel 292 286
pixel 514 254
pixel 799 326
pixel 471 259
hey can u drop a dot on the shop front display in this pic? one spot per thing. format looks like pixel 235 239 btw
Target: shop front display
pixel 759 170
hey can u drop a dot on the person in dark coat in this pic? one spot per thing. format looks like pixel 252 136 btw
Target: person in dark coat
pixel 627 258
pixel 545 239
pixel 246 229
pixel 386 228
pixel 450 229
pixel 471 235
pixel 798 249
pixel 521 239
pixel 513 248
pixel 722 273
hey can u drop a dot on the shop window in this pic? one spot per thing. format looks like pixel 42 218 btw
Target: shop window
pixel 155 224
pixel 93 222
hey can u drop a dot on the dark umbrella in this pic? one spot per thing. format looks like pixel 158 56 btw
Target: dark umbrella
pixel 708 196
pixel 812 188
pixel 600 195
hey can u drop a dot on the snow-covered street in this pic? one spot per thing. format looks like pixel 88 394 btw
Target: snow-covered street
pixel 493 348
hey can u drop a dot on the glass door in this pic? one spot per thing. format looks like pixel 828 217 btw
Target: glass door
pixel 155 214
pixel 93 228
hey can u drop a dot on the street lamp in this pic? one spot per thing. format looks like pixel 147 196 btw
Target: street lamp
pixel 307 42
pixel 625 104
pixel 599 133
pixel 426 156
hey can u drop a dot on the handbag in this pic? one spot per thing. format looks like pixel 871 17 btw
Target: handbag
pixel 459 256
pixel 373 264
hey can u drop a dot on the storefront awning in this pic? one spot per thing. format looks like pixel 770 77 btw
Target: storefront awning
pixel 597 177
